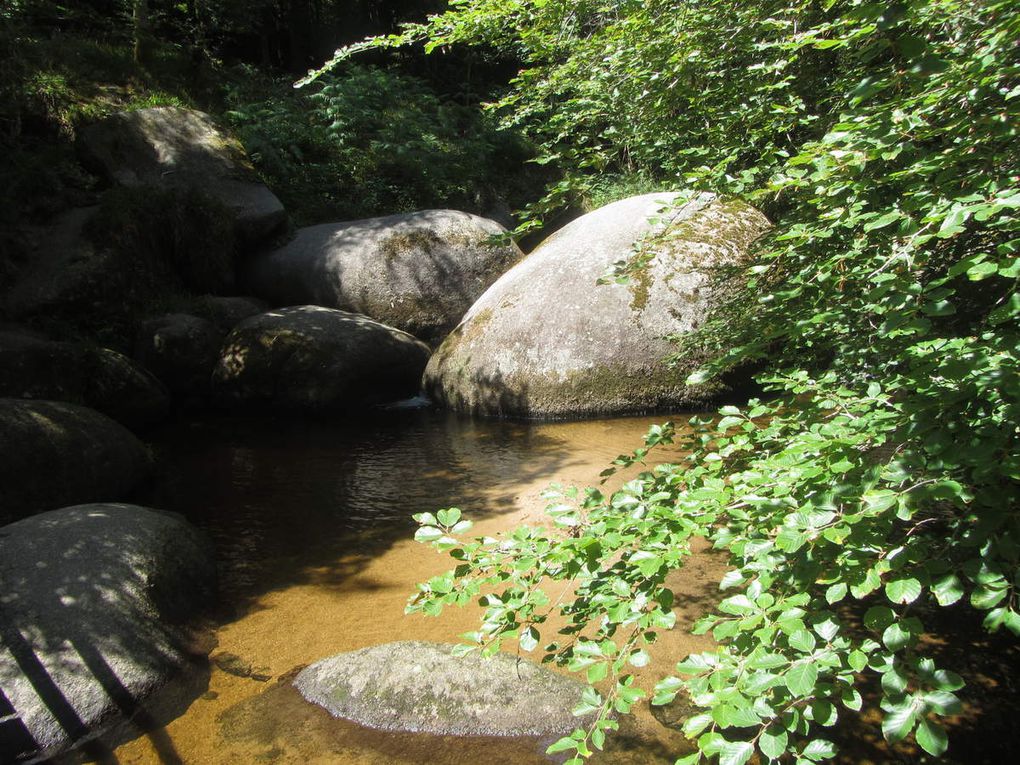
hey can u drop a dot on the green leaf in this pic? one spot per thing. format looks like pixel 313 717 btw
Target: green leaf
pixel 428 534
pixel 694 725
pixel 898 722
pixel 931 737
pixel 948 589
pixel 448 517
pixel 835 593
pixel 801 678
pixel 819 749
pixel 773 742
pixel 896 636
pixel 735 752
pixel 903 590
pixel 803 641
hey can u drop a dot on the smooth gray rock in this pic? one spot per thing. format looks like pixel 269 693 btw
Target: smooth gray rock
pixel 171 147
pixel 315 358
pixel 89 599
pixel 547 341
pixel 181 350
pixel 422 687
pixel 54 454
pixel 418 272
pixel 36 368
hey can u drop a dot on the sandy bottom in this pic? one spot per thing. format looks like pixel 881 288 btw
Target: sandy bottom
pixel 311 524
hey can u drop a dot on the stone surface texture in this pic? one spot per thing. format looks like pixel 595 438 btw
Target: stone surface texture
pixel 422 687
pixel 34 367
pixel 547 341
pixel 315 358
pixel 173 147
pixel 418 272
pixel 54 454
pixel 89 599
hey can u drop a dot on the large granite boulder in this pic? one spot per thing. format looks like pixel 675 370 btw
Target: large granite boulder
pixel 34 367
pixel 547 341
pixel 54 454
pixel 421 687
pixel 92 596
pixel 315 358
pixel 171 147
pixel 418 272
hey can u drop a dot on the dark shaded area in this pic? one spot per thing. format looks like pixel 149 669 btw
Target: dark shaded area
pixel 91 625
pixel 290 499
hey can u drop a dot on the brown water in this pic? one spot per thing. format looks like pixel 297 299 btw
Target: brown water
pixel 312 525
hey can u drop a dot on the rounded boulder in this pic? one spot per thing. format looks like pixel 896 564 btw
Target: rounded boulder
pixel 92 599
pixel 418 271
pixel 33 367
pixel 421 687
pixel 548 340
pixel 314 358
pixel 54 454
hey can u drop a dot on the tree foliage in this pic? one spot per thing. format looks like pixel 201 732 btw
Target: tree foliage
pixel 880 476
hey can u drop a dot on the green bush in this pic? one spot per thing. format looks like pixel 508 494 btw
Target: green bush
pixel 371 141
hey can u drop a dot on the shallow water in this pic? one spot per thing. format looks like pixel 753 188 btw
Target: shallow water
pixel 312 526
pixel 311 520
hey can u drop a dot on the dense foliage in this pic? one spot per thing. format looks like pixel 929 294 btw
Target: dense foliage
pixel 880 477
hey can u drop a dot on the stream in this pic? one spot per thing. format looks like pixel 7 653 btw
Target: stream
pixel 311 521
pixel 312 524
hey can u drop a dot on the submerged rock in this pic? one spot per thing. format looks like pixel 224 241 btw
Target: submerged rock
pixel 90 598
pixel 171 147
pixel 34 367
pixel 315 358
pixel 54 454
pixel 418 271
pixel 422 687
pixel 547 341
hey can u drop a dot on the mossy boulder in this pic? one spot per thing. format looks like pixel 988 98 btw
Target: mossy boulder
pixel 93 596
pixel 546 340
pixel 54 454
pixel 176 148
pixel 420 687
pixel 33 367
pixel 315 358
pixel 418 272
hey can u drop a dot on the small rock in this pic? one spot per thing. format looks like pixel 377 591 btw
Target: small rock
pixel 422 687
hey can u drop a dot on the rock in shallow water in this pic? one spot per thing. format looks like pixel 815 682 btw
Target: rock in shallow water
pixel 89 597
pixel 314 358
pixel 421 687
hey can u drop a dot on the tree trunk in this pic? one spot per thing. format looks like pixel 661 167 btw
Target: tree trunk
pixel 141 23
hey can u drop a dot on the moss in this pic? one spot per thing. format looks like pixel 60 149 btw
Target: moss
pixel 403 242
